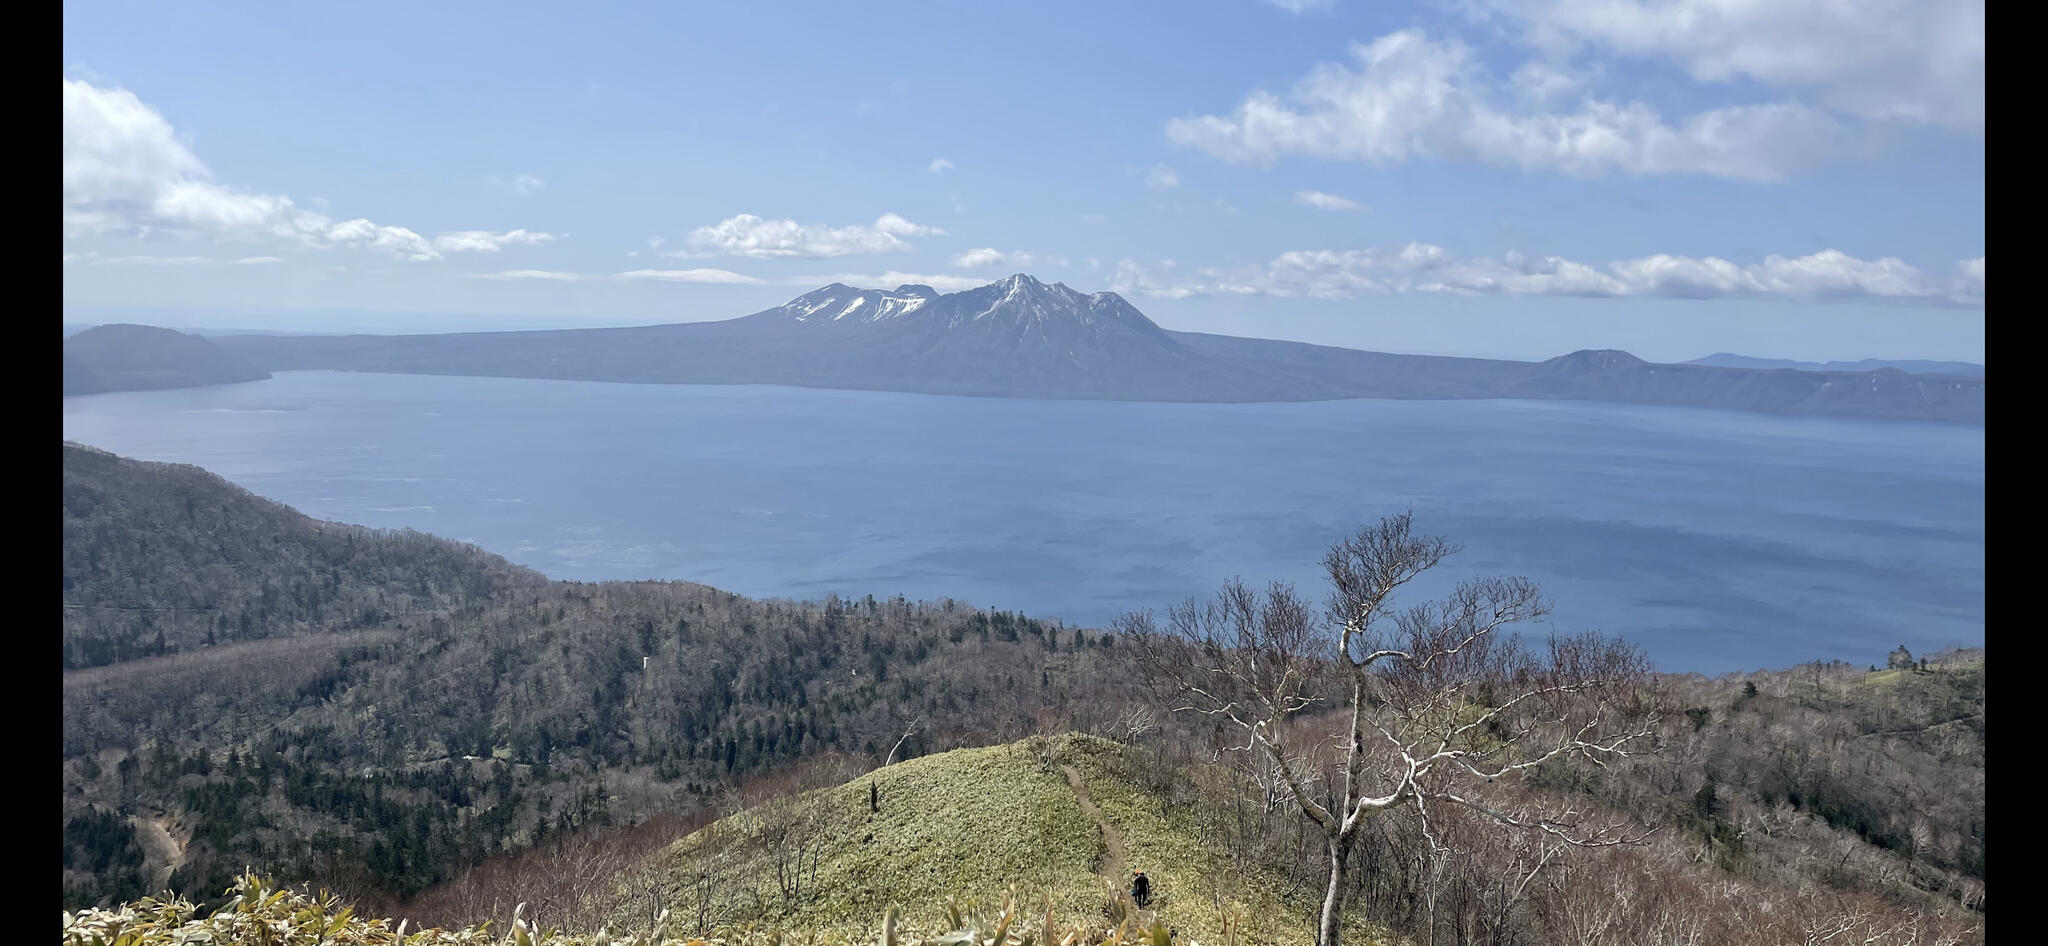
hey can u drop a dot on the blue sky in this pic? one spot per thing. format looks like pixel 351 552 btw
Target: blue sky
pixel 1467 177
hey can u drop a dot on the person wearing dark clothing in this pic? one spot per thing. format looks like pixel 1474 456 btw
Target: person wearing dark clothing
pixel 1141 889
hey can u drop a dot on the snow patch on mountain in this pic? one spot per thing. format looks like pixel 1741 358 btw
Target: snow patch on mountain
pixel 839 302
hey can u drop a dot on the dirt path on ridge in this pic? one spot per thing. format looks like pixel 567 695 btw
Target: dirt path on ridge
pixel 1115 863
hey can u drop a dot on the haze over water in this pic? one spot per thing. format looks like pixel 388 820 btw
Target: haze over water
pixel 1719 541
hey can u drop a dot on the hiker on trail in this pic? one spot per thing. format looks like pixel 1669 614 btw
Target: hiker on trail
pixel 1141 889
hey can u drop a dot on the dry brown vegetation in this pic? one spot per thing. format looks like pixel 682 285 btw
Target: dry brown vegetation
pixel 517 746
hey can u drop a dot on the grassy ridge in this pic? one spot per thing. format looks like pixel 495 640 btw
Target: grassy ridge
pixel 1201 891
pixel 971 824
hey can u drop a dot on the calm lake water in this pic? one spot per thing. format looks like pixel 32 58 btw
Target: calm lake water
pixel 1719 541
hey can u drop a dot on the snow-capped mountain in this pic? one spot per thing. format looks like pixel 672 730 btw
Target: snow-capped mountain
pixel 839 302
pixel 1022 301
pixel 1018 306
pixel 1020 337
pixel 1011 336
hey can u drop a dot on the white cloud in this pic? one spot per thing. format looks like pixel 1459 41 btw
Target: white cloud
pixel 987 256
pixel 484 241
pixel 398 241
pixel 1322 201
pixel 897 226
pixel 1406 96
pixel 890 280
pixel 1540 83
pixel 941 164
pixel 689 275
pixel 126 173
pixel 1966 287
pixel 1422 267
pixel 748 235
pixel 1918 61
pixel 1826 273
pixel 1128 277
pixel 156 260
pixel 1160 177
pixel 980 257
pixel 525 185
pixel 170 260
pixel 521 274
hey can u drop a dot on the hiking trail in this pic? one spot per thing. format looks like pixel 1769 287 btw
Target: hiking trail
pixel 1115 867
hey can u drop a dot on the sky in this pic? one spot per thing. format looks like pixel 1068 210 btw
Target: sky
pixel 1797 179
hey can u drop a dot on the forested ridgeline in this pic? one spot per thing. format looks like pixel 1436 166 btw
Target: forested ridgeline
pixel 162 559
pixel 403 756
pixel 497 732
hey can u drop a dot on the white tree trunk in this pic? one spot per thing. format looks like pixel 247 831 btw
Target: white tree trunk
pixel 1331 930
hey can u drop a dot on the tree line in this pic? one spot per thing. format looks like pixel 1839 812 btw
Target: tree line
pixel 475 716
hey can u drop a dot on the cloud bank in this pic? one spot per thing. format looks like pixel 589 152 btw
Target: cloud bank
pixel 1406 96
pixel 1423 267
pixel 760 238
pixel 125 173
pixel 1912 61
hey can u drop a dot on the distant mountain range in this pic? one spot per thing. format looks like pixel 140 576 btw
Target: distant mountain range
pixel 1020 337
pixel 147 358
pixel 73 328
pixel 1962 369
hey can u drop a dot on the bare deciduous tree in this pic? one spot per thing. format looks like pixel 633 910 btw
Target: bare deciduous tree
pixel 1441 702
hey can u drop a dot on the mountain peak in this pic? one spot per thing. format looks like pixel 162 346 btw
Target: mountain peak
pixel 1023 305
pixel 1019 303
pixel 1593 359
pixel 1025 282
pixel 840 302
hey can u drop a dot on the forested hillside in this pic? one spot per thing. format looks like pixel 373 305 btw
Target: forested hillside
pixel 162 559
pixel 482 732
pixel 147 358
pixel 400 706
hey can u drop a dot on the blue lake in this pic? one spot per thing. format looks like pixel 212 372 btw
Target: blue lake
pixel 1719 541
